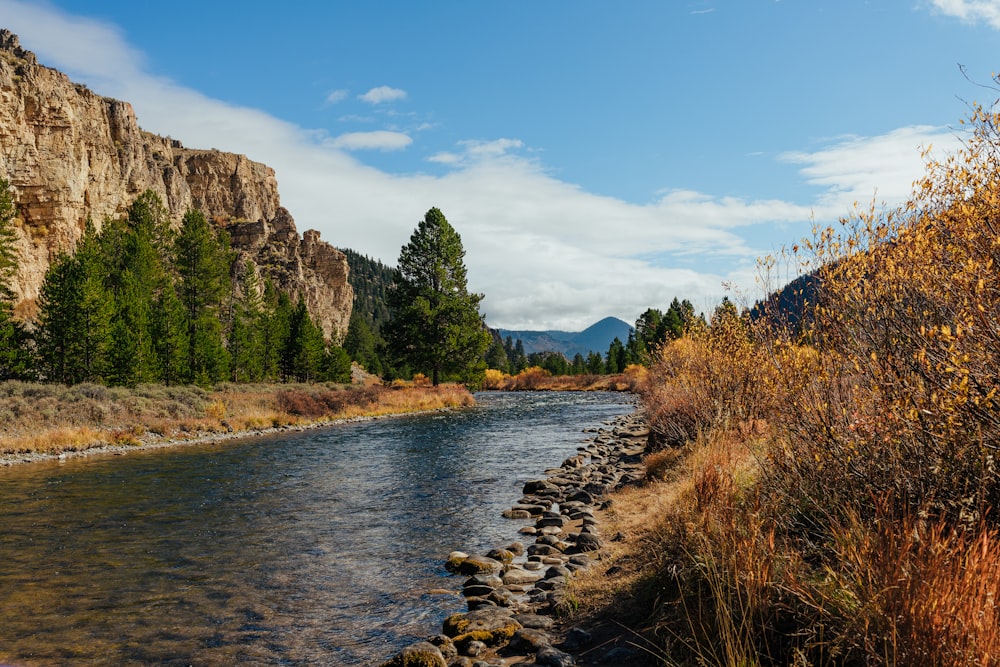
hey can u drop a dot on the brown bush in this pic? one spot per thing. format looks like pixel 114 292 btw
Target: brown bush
pixel 300 403
pixel 865 530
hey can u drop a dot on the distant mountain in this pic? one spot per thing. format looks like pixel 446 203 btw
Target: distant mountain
pixel 595 338
pixel 790 304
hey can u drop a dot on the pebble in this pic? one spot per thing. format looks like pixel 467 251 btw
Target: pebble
pixel 510 598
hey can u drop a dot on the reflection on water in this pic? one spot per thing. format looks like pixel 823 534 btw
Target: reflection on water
pixel 300 549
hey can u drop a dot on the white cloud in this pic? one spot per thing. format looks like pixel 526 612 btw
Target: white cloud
pixel 546 253
pixel 383 94
pixel 445 158
pixel 382 140
pixel 858 169
pixel 336 96
pixel 971 11
pixel 474 150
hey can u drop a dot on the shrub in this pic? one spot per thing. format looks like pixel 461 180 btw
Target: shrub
pixel 300 404
pixel 494 379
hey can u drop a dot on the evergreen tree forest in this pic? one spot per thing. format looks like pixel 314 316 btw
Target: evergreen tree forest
pixel 140 302
pixel 366 343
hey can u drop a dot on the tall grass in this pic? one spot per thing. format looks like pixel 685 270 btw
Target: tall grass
pixel 834 484
pixel 42 418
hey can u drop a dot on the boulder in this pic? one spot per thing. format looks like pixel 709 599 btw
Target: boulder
pixel 553 657
pixel 529 640
pixel 586 542
pixel 535 621
pixel 502 555
pixel 421 654
pixel 479 565
pixel 517 576
pixel 492 626
pixel 576 639
pixel 455 560
pixel 535 486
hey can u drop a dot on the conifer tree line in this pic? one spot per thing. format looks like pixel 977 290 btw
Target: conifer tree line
pixel 652 330
pixel 140 302
pixel 366 343
pixel 371 318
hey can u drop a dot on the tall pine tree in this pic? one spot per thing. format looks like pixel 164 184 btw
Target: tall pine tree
pixel 436 326
pixel 247 332
pixel 202 260
pixel 74 316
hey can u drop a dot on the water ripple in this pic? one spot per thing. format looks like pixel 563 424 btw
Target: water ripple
pixel 309 548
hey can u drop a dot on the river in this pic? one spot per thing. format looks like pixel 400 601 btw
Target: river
pixel 317 547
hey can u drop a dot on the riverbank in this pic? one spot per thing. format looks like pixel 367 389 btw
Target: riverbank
pixel 539 379
pixel 46 422
pixel 523 605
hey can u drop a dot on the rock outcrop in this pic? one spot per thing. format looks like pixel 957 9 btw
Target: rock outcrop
pixel 71 154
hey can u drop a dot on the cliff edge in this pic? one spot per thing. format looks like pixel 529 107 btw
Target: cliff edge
pixel 71 154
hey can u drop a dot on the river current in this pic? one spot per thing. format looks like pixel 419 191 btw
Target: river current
pixel 317 547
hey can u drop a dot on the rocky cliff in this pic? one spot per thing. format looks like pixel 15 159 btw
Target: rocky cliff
pixel 71 154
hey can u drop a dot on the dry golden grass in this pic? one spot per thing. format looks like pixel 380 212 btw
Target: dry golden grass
pixel 51 419
pixel 829 491
pixel 535 378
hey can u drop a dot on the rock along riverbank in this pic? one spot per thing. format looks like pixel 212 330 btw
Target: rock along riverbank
pixel 515 593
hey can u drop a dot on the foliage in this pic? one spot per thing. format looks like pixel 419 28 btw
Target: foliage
pixel 202 260
pixel 654 328
pixel 436 326
pixel 138 303
pixel 363 345
pixel 833 484
pixel 8 237
pixel 15 362
pixel 371 281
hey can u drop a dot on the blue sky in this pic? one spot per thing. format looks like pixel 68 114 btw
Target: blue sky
pixel 597 158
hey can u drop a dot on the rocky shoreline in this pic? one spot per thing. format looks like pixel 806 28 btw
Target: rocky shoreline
pixel 517 594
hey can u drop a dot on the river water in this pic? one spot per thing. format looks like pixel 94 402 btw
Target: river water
pixel 311 548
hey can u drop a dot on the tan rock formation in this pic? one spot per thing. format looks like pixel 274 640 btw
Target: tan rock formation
pixel 71 154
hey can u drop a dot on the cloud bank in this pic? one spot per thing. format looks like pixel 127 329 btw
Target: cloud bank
pixel 546 253
pixel 971 11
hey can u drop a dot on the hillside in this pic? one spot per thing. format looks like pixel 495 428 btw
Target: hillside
pixel 370 280
pixel 595 338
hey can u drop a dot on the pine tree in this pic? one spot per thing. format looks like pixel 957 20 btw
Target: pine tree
pixel 496 357
pixel 136 254
pixel 520 360
pixel 616 356
pixel 15 356
pixel 247 332
pixel 337 365
pixel 170 335
pixel 202 260
pixel 302 356
pixel 436 326
pixel 131 356
pixel 595 363
pixel 74 317
pixel 276 329
pixel 361 345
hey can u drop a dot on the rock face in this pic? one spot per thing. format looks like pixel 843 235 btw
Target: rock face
pixel 71 154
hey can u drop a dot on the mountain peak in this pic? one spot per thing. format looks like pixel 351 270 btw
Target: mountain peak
pixel 595 338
